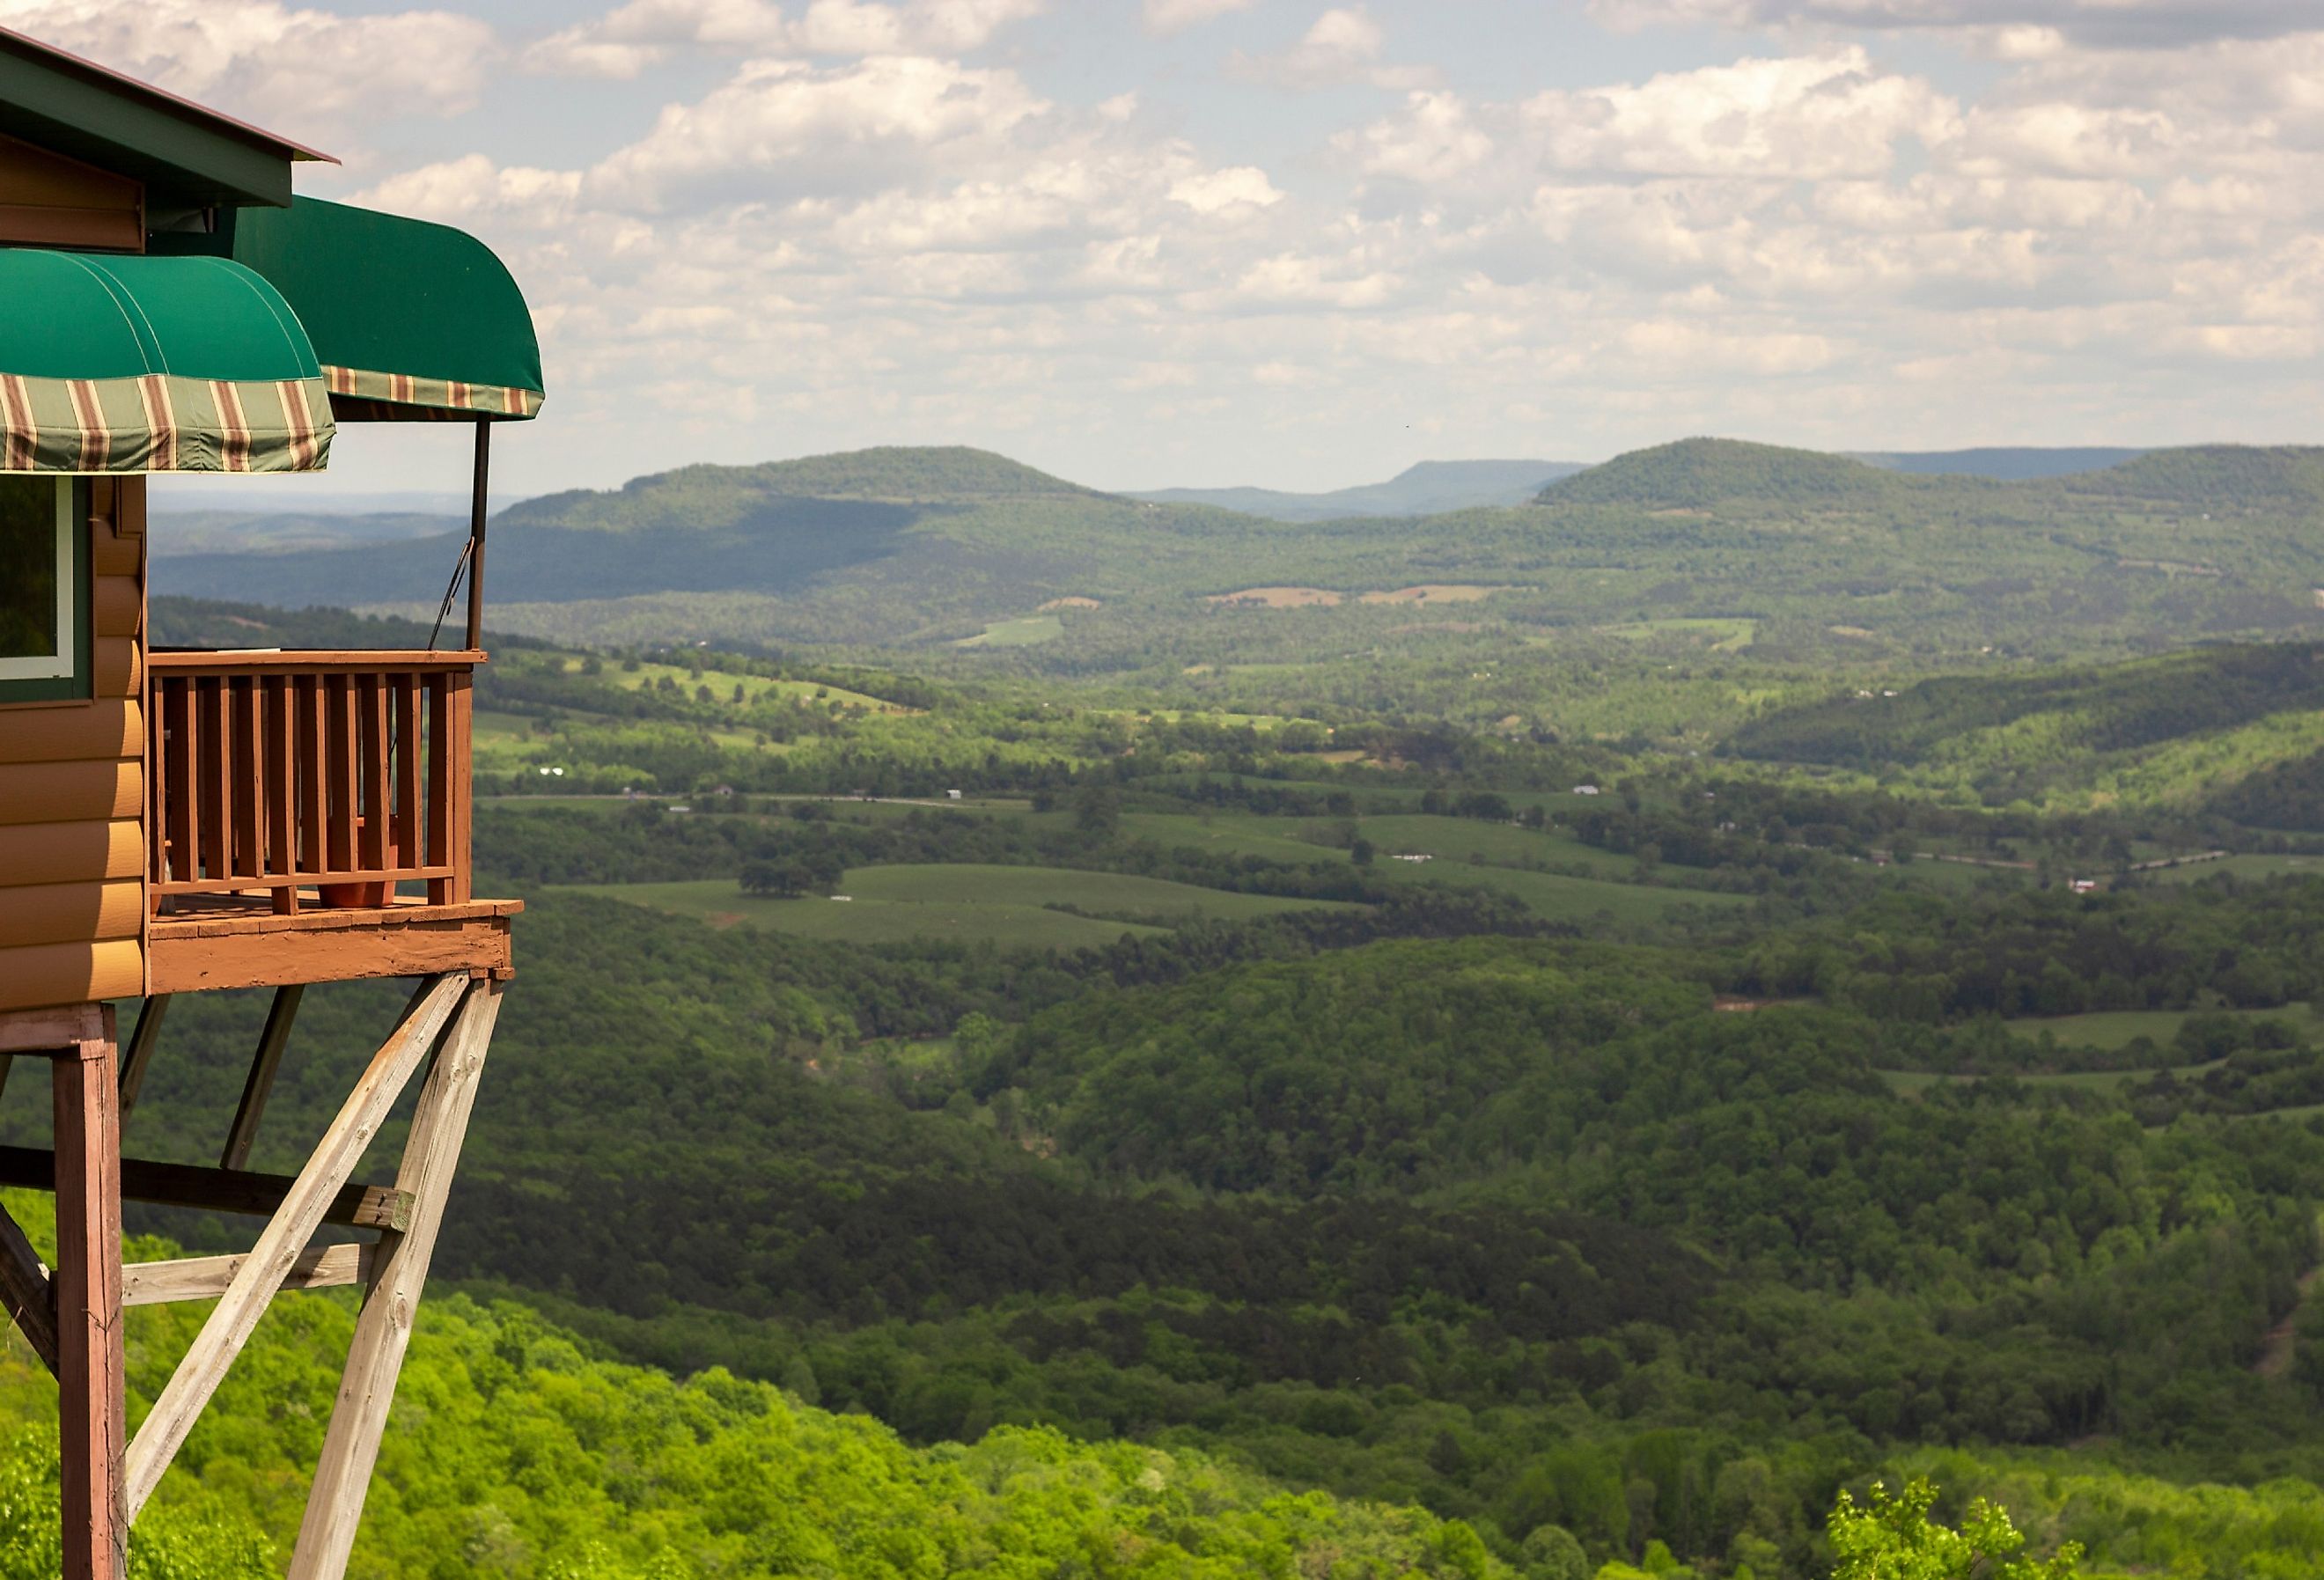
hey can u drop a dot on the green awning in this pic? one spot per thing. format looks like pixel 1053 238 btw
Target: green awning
pixel 411 321
pixel 123 364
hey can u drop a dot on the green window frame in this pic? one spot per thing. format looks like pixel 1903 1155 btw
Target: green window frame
pixel 64 674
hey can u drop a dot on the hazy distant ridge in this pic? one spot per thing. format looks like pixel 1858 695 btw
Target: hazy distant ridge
pixel 1428 488
pixel 2006 464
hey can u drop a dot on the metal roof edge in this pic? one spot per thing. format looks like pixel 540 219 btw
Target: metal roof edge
pixel 107 79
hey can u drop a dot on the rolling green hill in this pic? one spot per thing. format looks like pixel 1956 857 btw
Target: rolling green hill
pixel 1428 488
pixel 2238 727
pixel 1819 555
pixel 1699 474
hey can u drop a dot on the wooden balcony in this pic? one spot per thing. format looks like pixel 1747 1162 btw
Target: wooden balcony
pixel 309 819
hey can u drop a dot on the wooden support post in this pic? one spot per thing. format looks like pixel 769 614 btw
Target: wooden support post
pixel 91 1393
pixel 476 509
pixel 139 1054
pixel 272 1260
pixel 400 1268
pixel 260 1082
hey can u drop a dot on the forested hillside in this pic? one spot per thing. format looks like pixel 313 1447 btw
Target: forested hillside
pixel 1428 488
pixel 1796 554
pixel 1600 1025
pixel 515 1454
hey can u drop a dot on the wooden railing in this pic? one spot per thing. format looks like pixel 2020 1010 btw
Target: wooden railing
pixel 346 772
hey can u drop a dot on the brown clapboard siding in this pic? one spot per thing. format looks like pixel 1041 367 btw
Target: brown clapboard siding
pixel 120 606
pixel 71 974
pixel 70 852
pixel 65 792
pixel 113 728
pixel 47 200
pixel 73 911
pixel 65 913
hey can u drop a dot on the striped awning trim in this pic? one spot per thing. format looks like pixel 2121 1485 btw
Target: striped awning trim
pixel 403 389
pixel 160 422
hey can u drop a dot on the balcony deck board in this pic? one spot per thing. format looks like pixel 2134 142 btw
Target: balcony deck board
pixel 222 941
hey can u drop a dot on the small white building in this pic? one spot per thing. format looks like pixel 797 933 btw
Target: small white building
pixel 1585 790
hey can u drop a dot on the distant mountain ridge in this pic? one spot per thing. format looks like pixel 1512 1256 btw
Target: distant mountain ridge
pixel 912 547
pixel 2003 463
pixel 706 497
pixel 1424 488
pixel 1702 474
pixel 1698 474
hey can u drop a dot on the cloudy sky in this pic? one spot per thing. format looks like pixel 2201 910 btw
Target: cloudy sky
pixel 1152 241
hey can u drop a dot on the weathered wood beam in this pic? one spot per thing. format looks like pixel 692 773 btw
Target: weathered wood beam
pixel 139 1053
pixel 431 1155
pixel 30 1295
pixel 205 1278
pixel 216 1190
pixel 92 1403
pixel 260 1083
pixel 285 1236
pixel 46 1030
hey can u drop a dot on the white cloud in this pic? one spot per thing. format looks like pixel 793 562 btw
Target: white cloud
pixel 1169 17
pixel 627 40
pixel 1243 185
pixel 782 126
pixel 1432 139
pixel 458 191
pixel 2006 25
pixel 1807 242
pixel 307 72
pixel 1803 118
pixel 1342 46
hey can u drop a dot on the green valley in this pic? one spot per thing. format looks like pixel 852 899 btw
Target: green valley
pixel 1811 979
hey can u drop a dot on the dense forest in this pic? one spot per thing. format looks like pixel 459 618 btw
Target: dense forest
pixel 1568 1041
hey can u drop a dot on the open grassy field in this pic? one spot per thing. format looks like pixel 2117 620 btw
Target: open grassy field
pixel 1550 895
pixel 1720 634
pixel 1010 906
pixel 1028 632
pixel 2241 866
pixel 1468 838
pixel 2111 1028
pixel 722 684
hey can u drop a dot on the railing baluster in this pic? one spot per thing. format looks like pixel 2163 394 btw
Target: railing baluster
pixel 456 788
pixel 371 731
pixel 407 770
pixel 314 800
pixel 250 776
pixel 280 857
pixel 266 771
pixel 217 791
pixel 439 783
pixel 178 771
pixel 339 808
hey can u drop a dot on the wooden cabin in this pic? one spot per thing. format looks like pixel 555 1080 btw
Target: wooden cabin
pixel 176 821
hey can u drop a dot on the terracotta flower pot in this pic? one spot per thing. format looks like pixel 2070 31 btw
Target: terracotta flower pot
pixel 369 895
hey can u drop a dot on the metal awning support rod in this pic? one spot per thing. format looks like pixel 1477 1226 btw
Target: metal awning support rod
pixel 476 536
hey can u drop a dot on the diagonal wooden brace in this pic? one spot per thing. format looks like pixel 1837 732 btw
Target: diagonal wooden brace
pixel 29 1291
pixel 431 1155
pixel 273 1258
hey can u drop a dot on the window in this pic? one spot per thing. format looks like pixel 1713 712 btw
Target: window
pixel 43 589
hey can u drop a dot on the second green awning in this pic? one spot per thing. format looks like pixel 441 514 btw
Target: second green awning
pixel 125 364
pixel 411 321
